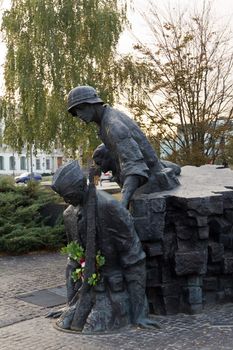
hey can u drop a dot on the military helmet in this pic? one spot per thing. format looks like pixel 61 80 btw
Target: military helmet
pixel 82 94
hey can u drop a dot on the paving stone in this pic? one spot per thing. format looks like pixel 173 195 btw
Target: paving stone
pixel 23 325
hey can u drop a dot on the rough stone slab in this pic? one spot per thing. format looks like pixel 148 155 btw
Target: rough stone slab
pixel 205 182
pixel 228 214
pixel 171 289
pixel 220 225
pixel 200 219
pixel 185 232
pixel 194 262
pixel 210 283
pixel 225 282
pixel 216 251
pixel 226 240
pixel 157 225
pixel 139 207
pixel 194 281
pixel 171 304
pixel 143 229
pixel 150 230
pixel 153 249
pixel 203 232
pixel 193 295
pixel 157 204
pixel 228 265
pixel 227 199
pixel 208 205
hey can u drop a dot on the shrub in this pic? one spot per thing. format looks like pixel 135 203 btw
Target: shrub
pixel 22 226
pixel 6 183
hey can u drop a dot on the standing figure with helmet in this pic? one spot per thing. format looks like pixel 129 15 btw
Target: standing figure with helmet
pixel 134 157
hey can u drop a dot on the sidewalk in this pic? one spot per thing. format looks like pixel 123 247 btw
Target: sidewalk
pixel 23 325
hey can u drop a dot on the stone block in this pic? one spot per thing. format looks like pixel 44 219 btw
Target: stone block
pixel 210 283
pixel 169 243
pixel 195 309
pixel 167 272
pixel 200 220
pixel 153 249
pixel 142 227
pixel 194 281
pixel 216 251
pixel 170 289
pixel 227 199
pixel 214 269
pixel 139 207
pixel 153 277
pixel 225 282
pixel 228 265
pixel 219 225
pixel 152 283
pixel 171 304
pixel 193 262
pixel 151 262
pixel 156 302
pixel 207 205
pixel 193 295
pixel 204 206
pixel 228 214
pixel 183 220
pixel 228 293
pixel 209 297
pixel 193 244
pixel 157 225
pixel 185 232
pixel 157 204
pixel 203 232
pixel 220 296
pixel 226 240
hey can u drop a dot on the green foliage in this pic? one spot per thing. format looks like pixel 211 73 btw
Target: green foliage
pixel 74 251
pixel 93 280
pixel 52 46
pixel 77 253
pixel 6 183
pixel 22 227
pixel 100 259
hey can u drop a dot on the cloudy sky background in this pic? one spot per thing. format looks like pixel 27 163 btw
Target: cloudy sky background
pixel 222 14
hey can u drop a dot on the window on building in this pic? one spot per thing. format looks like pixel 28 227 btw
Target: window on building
pixel 23 163
pixel 1 134
pixel 37 164
pixel 1 163
pixel 47 164
pixel 12 163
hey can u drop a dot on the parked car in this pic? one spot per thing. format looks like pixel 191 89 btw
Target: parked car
pixel 105 177
pixel 25 177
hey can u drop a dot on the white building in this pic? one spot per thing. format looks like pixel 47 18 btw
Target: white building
pixel 13 163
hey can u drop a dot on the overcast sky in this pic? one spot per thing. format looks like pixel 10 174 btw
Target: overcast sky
pixel 223 11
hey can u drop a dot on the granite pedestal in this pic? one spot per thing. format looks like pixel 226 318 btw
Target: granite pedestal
pixel 187 234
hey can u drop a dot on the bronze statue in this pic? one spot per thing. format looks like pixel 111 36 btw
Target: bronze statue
pixel 102 224
pixel 134 157
pixel 105 162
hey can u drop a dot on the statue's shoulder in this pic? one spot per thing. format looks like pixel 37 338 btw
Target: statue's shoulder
pixel 115 124
pixel 106 203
